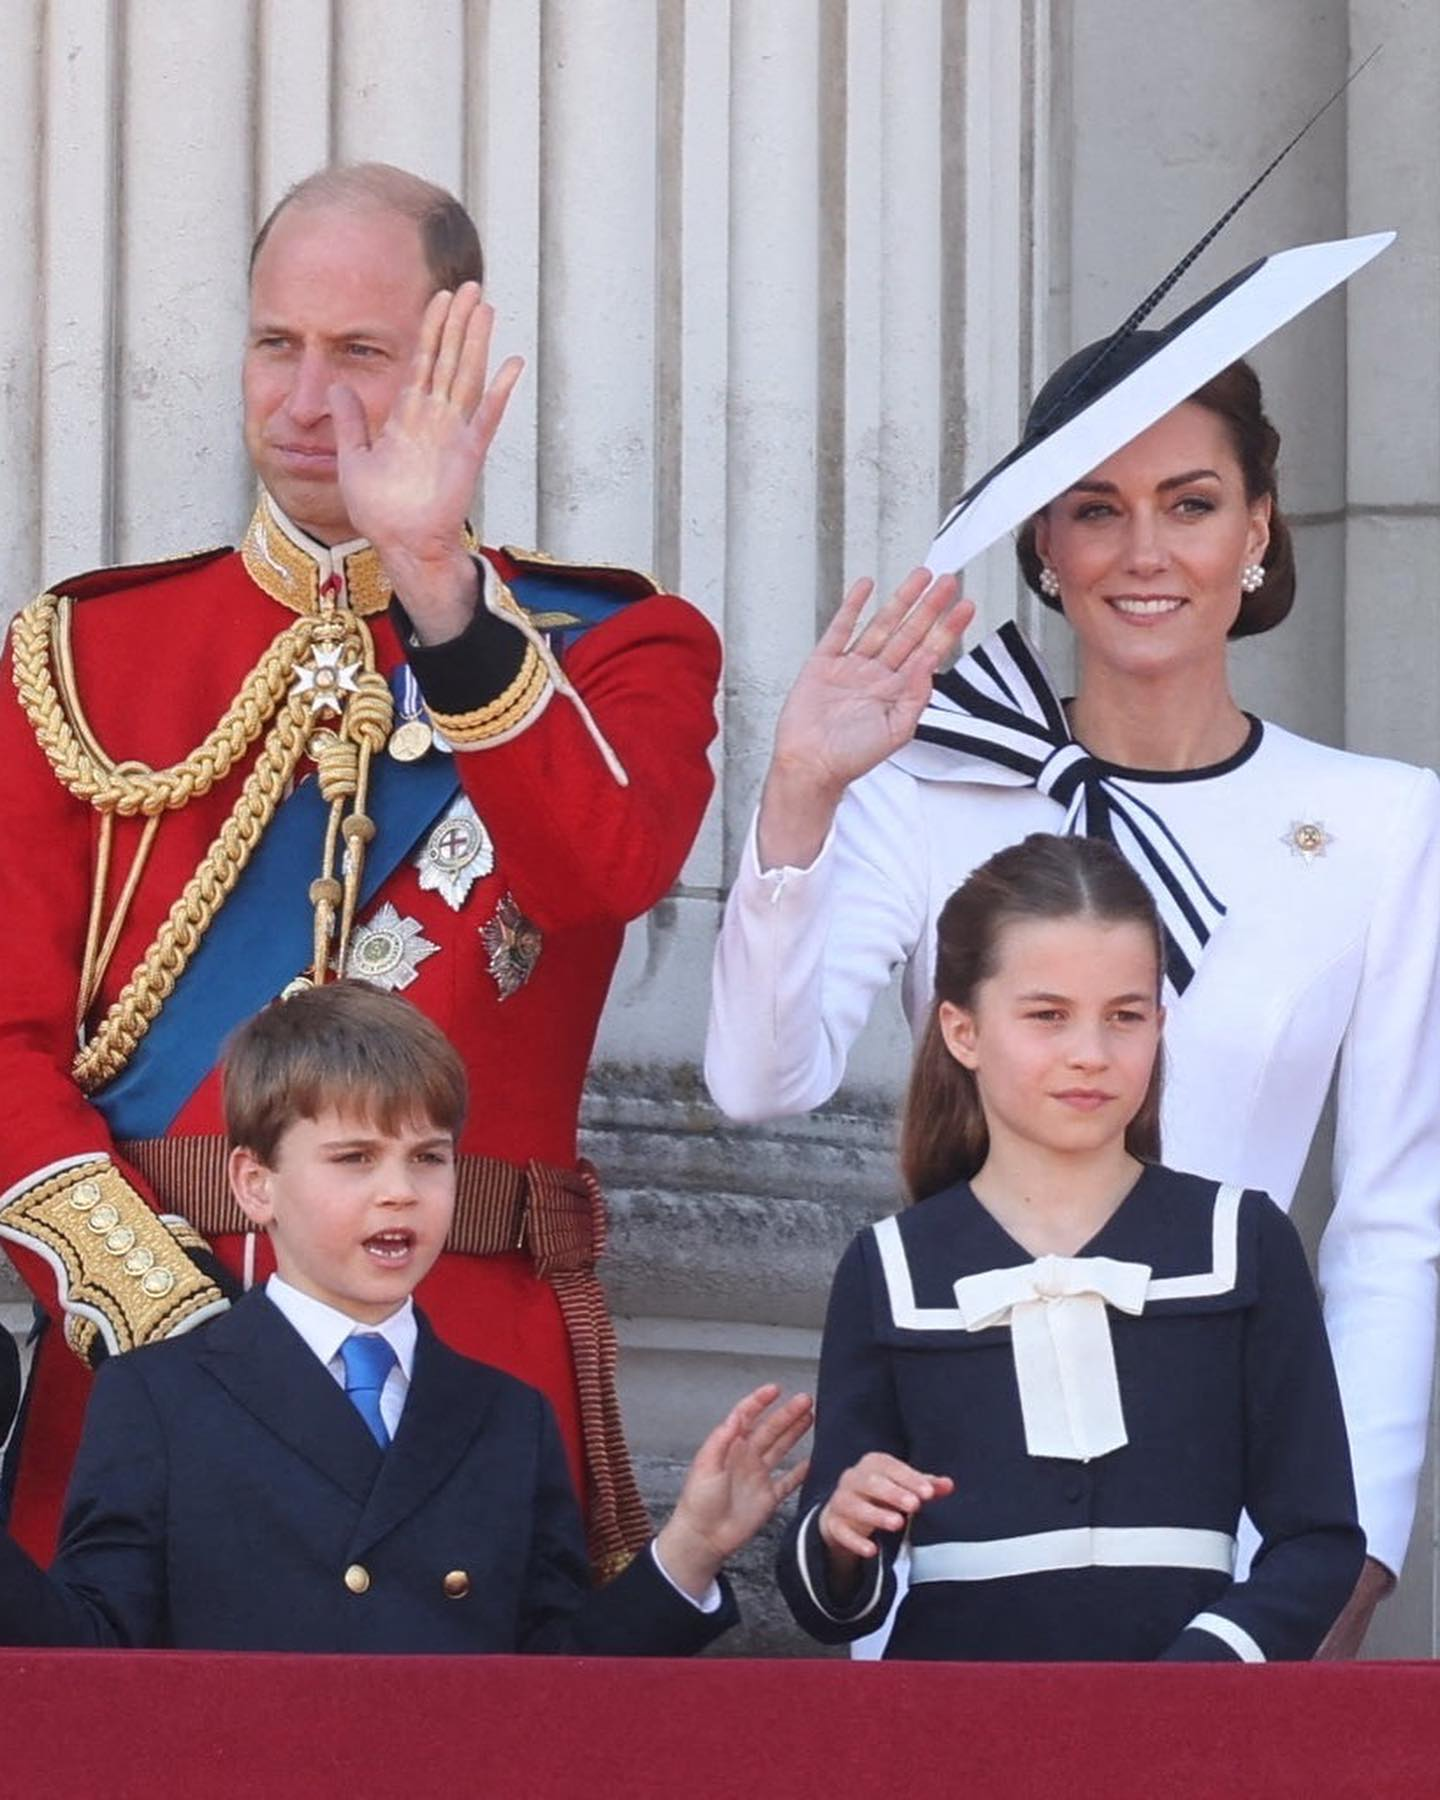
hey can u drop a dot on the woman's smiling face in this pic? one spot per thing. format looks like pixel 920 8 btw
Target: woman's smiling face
pixel 1149 547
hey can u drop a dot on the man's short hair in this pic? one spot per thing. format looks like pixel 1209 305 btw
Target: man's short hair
pixel 347 1047
pixel 447 232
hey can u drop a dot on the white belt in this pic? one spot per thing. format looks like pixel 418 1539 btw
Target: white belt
pixel 1082 1547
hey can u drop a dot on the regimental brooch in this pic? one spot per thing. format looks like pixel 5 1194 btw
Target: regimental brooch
pixel 388 950
pixel 1307 839
pixel 514 946
pixel 456 854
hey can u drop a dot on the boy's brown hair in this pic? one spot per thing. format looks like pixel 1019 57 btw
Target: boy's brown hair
pixel 346 1045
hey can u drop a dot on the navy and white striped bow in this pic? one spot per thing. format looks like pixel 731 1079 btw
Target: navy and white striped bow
pixel 998 712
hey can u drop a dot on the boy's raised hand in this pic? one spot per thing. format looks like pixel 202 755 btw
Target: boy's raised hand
pixel 734 1486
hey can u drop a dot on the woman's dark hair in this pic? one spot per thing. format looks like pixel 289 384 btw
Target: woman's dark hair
pixel 1234 397
pixel 944 1138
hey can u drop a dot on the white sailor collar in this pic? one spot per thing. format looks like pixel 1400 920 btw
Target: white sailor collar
pixel 1195 1238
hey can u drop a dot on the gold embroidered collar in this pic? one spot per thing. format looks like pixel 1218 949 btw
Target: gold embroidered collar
pixel 293 569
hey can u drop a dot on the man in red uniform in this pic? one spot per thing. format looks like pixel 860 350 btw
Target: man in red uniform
pixel 358 742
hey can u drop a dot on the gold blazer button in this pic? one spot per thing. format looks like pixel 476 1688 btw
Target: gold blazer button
pixel 357 1578
pixel 456 1584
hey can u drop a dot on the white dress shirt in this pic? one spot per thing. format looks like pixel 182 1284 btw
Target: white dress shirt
pixel 325 1329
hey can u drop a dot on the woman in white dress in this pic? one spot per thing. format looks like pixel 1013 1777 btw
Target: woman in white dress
pixel 1304 881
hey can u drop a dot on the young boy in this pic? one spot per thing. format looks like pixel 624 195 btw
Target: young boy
pixel 237 1487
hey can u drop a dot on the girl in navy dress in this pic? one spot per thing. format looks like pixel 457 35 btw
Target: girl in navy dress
pixel 1065 1372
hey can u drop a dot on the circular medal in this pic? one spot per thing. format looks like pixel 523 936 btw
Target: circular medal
pixel 410 740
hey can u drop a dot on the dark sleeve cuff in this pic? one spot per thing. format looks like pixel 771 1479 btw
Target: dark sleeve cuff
pixel 467 672
pixel 862 1603
pixel 640 1613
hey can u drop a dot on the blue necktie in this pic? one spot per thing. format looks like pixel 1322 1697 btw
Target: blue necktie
pixel 368 1359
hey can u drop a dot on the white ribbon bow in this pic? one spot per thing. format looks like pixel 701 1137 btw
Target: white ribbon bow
pixel 1060 1337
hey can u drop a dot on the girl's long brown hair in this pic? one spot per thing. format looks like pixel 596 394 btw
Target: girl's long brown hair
pixel 944 1138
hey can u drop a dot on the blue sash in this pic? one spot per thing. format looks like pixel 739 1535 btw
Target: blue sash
pixel 263 936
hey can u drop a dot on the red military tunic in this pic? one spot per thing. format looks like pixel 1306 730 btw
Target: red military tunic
pixel 590 775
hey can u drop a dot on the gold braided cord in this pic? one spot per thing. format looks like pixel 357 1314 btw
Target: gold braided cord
pixel 162 965
pixel 269 696
pixel 368 721
pixel 69 687
pixel 85 994
pixel 153 981
pixel 97 966
pixel 130 787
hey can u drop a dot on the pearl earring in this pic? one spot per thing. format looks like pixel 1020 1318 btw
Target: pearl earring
pixel 1252 578
pixel 1049 583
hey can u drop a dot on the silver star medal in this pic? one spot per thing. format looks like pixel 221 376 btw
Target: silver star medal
pixel 1307 839
pixel 456 854
pixel 388 950
pixel 327 680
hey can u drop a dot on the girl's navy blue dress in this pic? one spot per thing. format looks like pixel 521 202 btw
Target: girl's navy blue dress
pixel 1229 1403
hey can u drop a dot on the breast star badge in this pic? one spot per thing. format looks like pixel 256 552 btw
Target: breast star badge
pixel 388 950
pixel 456 854
pixel 513 944
pixel 1307 839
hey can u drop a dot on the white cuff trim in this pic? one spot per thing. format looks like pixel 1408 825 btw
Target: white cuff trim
pixel 810 1525
pixel 1229 1633
pixel 709 1601
pixel 775 881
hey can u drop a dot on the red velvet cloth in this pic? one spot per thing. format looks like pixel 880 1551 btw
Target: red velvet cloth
pixel 107 1723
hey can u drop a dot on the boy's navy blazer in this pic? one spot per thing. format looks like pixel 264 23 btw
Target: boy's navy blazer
pixel 228 1496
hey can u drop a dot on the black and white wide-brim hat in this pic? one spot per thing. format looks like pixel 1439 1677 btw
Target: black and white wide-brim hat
pixel 1102 398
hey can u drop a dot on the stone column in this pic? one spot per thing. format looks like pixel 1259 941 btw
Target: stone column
pixel 1392 512
pixel 1167 124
